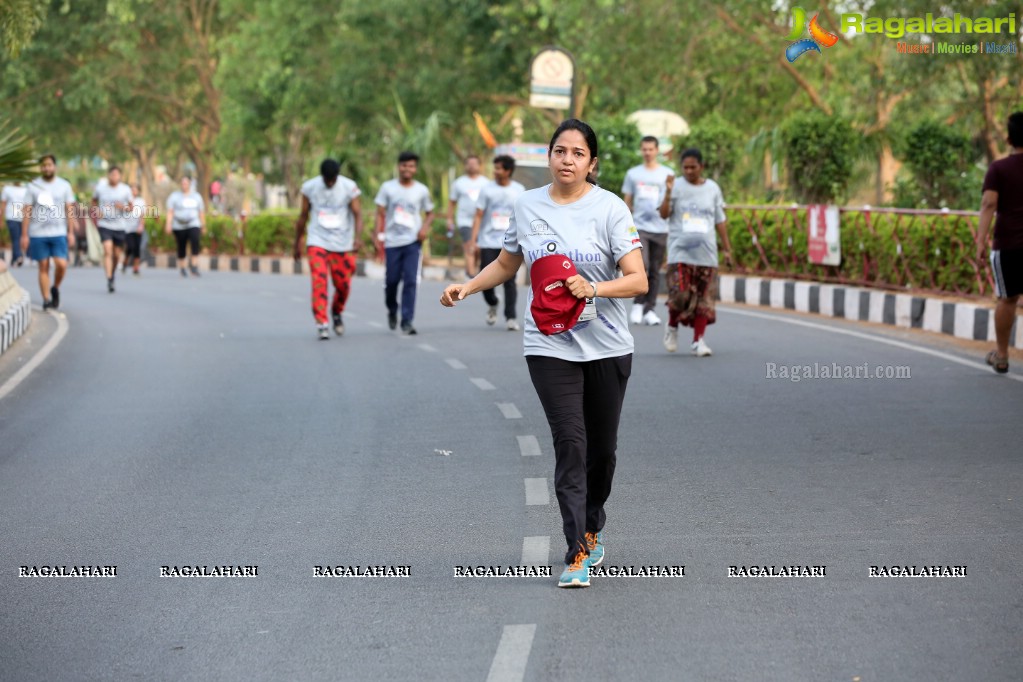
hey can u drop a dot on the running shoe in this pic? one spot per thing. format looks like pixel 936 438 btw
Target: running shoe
pixel 999 364
pixel 701 349
pixel 650 319
pixel 54 297
pixel 110 285
pixel 594 542
pixel 636 316
pixel 577 573
pixel 194 270
pixel 20 261
pixel 323 332
pixel 339 326
pixel 47 304
pixel 671 339
pixel 513 326
pixel 392 320
pixel 407 329
pixel 184 273
pixel 492 315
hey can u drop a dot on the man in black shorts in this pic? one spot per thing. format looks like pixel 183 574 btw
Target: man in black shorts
pixel 1002 195
pixel 111 206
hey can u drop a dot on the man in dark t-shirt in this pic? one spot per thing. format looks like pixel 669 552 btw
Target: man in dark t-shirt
pixel 1003 194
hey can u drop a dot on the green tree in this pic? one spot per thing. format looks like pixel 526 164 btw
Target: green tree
pixel 819 151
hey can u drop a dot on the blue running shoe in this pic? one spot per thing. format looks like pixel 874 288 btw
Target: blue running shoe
pixel 577 573
pixel 594 542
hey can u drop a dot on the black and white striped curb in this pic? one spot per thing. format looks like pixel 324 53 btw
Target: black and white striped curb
pixel 15 320
pixel 962 320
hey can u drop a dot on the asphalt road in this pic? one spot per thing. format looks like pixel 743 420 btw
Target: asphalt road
pixel 199 422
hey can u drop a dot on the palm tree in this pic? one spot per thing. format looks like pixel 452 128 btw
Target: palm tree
pixel 17 160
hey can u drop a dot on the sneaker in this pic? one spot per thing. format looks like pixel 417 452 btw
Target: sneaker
pixel 136 273
pixel 54 297
pixel 701 349
pixel 636 316
pixel 595 545
pixel 339 326
pixel 47 304
pixel 513 326
pixel 20 261
pixel 194 270
pixel 407 329
pixel 392 320
pixel 492 314
pixel 671 339
pixel 323 333
pixel 577 573
pixel 184 273
pixel 650 319
pixel 110 285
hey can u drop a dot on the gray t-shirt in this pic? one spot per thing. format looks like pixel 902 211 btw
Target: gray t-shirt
pixel 695 210
pixel 331 222
pixel 647 188
pixel 49 202
pixel 496 202
pixel 187 208
pixel 107 196
pixel 404 207
pixel 13 198
pixel 466 192
pixel 594 232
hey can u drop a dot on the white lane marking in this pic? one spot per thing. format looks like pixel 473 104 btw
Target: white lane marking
pixel 428 348
pixel 878 339
pixel 509 410
pixel 536 550
pixel 38 358
pixel 353 316
pixel 455 364
pixel 375 324
pixel 536 492
pixel 509 664
pixel 529 446
pixel 482 384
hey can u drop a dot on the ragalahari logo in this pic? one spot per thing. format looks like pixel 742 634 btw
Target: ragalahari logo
pixel 818 36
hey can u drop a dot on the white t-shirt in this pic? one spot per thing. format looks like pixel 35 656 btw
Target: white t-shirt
pixel 49 202
pixel 14 198
pixel 404 211
pixel 107 195
pixel 187 208
pixel 695 210
pixel 466 192
pixel 647 188
pixel 138 214
pixel 497 203
pixel 331 223
pixel 594 232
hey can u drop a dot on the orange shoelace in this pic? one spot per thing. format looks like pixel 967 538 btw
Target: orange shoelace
pixel 577 562
pixel 591 541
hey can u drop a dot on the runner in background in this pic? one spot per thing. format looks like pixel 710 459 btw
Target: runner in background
pixel 695 208
pixel 12 198
pixel 465 193
pixel 493 217
pixel 1003 194
pixel 186 220
pixel 111 205
pixel 402 229
pixel 136 227
pixel 643 191
pixel 333 212
pixel 48 227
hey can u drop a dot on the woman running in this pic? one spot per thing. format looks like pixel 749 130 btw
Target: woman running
pixel 579 358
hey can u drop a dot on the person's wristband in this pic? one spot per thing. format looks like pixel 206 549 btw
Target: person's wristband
pixel 594 285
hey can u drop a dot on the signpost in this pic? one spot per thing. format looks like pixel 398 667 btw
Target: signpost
pixel 824 246
pixel 551 79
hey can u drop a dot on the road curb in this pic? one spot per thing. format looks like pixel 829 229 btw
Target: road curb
pixel 972 321
pixel 15 304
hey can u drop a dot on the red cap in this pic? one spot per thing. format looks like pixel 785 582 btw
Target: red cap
pixel 555 309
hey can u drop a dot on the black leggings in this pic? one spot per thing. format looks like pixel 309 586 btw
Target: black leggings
pixel 583 403
pixel 133 245
pixel 488 256
pixel 187 236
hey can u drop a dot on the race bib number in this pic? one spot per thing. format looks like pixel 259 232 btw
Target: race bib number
pixel 589 311
pixel 695 223
pixel 647 192
pixel 500 221
pixel 404 218
pixel 329 219
pixel 189 203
